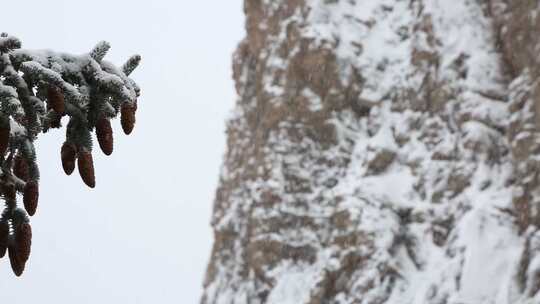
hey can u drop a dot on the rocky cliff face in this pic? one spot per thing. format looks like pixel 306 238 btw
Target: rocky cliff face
pixel 382 151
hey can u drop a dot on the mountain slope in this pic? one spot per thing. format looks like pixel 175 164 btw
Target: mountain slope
pixel 381 151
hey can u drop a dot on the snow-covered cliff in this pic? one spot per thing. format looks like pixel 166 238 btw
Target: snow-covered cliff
pixel 382 151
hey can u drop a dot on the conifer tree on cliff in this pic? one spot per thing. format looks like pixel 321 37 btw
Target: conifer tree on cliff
pixel 37 89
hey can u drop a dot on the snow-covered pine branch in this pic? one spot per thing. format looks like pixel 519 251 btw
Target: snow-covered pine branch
pixel 37 89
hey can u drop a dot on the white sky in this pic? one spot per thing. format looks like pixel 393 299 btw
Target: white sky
pixel 143 235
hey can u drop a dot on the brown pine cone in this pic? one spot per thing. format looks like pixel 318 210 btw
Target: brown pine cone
pixel 4 138
pixel 104 135
pixel 68 154
pixel 17 265
pixel 23 241
pixel 20 168
pixel 31 197
pixel 4 237
pixel 55 99
pixel 86 168
pixel 127 117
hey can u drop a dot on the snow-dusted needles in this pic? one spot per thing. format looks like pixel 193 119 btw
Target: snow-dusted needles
pixel 37 89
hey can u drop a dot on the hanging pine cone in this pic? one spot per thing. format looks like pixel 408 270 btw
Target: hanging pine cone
pixel 19 249
pixel 17 265
pixel 20 168
pixel 68 154
pixel 23 241
pixel 55 99
pixel 4 237
pixel 31 197
pixel 4 138
pixel 127 117
pixel 104 135
pixel 86 168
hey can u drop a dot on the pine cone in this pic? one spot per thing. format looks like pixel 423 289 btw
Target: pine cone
pixel 17 265
pixel 31 197
pixel 55 100
pixel 127 117
pixel 20 168
pixel 68 155
pixel 4 237
pixel 86 168
pixel 4 139
pixel 104 135
pixel 23 241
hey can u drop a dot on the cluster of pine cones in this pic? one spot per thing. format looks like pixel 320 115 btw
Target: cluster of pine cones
pixel 16 234
pixel 71 153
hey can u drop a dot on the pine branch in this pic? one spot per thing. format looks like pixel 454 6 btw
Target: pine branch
pixel 37 88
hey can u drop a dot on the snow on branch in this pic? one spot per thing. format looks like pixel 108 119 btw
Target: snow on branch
pixel 37 89
pixel 131 64
pixel 8 43
pixel 100 50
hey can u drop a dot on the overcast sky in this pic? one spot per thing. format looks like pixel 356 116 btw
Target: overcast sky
pixel 142 235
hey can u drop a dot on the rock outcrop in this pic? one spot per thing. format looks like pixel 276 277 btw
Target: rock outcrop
pixel 382 151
